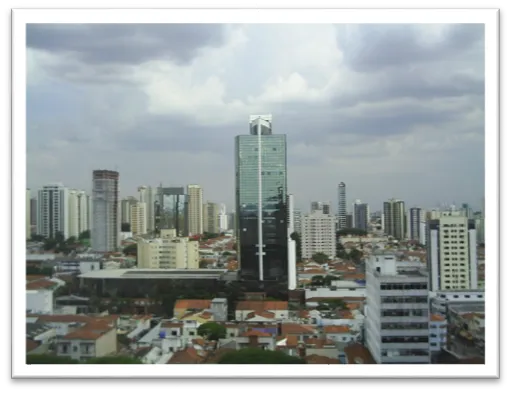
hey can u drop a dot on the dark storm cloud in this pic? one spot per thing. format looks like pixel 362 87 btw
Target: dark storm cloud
pixel 376 47
pixel 125 43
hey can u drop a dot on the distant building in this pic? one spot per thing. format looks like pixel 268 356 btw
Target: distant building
pixel 341 206
pixel 52 211
pixel 195 210
pixel 138 219
pixel 126 204
pixel 318 234
pixel 394 219
pixel 211 212
pixel 28 225
pixel 360 215
pixel 415 219
pixel 148 195
pixel 106 217
pixel 222 218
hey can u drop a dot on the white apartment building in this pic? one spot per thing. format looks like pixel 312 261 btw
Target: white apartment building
pixel 126 204
pixel 397 311
pixel 84 211
pixel 341 205
pixel 414 225
pixel 222 218
pixel 452 252
pixel 210 220
pixel 441 300
pixel 147 195
pixel 106 217
pixel 318 234
pixel 78 208
pixel 297 221
pixel 28 227
pixel 73 214
pixel 52 210
pixel 195 213
pixel 138 218
pixel 168 252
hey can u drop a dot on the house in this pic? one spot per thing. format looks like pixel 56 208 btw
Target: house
pixel 313 346
pixel 89 341
pixel 184 306
pixel 262 307
pixel 318 359
pixel 356 354
pixel 189 355
pixel 341 333
pixel 250 338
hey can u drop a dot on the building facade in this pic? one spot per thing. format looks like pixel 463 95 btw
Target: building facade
pixel 318 234
pixel 195 210
pixel 138 218
pixel 211 213
pixel 52 211
pixel 106 217
pixel 147 195
pixel 297 221
pixel 360 215
pixel 261 189
pixel 341 205
pixel 222 218
pixel 394 219
pixel 415 220
pixel 28 225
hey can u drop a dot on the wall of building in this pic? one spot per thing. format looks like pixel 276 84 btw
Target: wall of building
pixel 40 301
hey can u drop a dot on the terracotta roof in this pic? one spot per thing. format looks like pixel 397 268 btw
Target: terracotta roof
pixel 41 284
pixel 319 343
pixel 436 317
pixel 358 354
pixel 199 341
pixel 336 329
pixel 261 305
pixel 206 315
pixel 291 341
pixel 31 344
pixel 317 359
pixel 264 314
pixel 297 329
pixel 186 304
pixel 87 333
pixel 65 318
pixel 345 298
pixel 303 314
pixel 314 271
pixel 257 333
pixel 186 356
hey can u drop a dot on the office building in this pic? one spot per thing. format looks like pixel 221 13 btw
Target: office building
pixel 394 219
pixel 195 213
pixel 211 213
pixel 452 252
pixel 349 221
pixel 397 311
pixel 106 218
pixel 290 208
pixel 341 206
pixel 261 189
pixel 361 215
pixel 318 234
pixel 171 210
pixel 138 218
pixel 52 211
pixel 222 218
pixel 126 204
pixel 297 221
pixel 73 214
pixel 415 220
pixel 28 226
pixel 147 195
pixel 33 213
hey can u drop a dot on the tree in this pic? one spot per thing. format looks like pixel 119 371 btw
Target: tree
pixel 356 255
pixel 298 242
pixel 84 235
pixel 50 359
pixel 317 281
pixel 328 280
pixel 125 227
pixel 320 257
pixel 203 264
pixel 71 240
pixel 226 253
pixel 259 356
pixel 351 231
pixel 114 360
pixel 212 331
pixel 130 250
pixel 59 237
pixel 337 303
pixel 37 238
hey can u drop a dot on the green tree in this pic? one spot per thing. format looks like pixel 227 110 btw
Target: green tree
pixel 130 250
pixel 298 243
pixel 317 281
pixel 84 235
pixel 203 264
pixel 125 227
pixel 356 255
pixel 320 257
pixel 71 240
pixel 37 238
pixel 328 280
pixel 50 359
pixel 337 303
pixel 259 356
pixel 114 360
pixel 59 237
pixel 212 331
pixel 226 253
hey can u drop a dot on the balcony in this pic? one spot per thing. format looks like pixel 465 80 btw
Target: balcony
pixel 405 332
pixel 404 306
pixel 404 319
pixel 408 345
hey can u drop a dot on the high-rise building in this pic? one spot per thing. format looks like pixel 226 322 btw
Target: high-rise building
pixel 211 211
pixel 349 221
pixel 394 219
pixel 315 206
pixel 28 226
pixel 138 219
pixel 341 205
pixel 297 221
pixel 290 208
pixel 318 234
pixel 33 213
pixel 126 204
pixel 171 210
pixel 73 214
pixel 397 311
pixel 52 211
pixel 106 217
pixel 195 214
pixel 360 215
pixel 415 219
pixel 467 211
pixel 261 189
pixel 222 218
pixel 452 252
pixel 327 209
pixel 147 195
pixel 84 211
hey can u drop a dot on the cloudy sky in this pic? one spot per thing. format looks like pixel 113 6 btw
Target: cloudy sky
pixel 391 110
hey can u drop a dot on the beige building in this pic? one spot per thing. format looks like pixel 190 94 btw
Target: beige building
pixel 88 342
pixel 394 219
pixel 211 222
pixel 126 209
pixel 138 218
pixel 318 234
pixel 168 252
pixel 195 209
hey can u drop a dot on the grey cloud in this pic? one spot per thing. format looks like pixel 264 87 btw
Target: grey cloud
pixel 368 48
pixel 125 43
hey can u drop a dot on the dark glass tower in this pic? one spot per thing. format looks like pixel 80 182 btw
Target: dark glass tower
pixel 261 189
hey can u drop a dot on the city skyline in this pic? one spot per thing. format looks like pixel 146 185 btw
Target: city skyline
pixel 405 123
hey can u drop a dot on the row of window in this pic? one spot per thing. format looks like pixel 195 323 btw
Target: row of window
pixel 404 339
pixel 404 326
pixel 404 313
pixel 402 287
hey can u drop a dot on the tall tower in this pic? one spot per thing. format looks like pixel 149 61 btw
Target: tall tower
pixel 28 206
pixel 106 217
pixel 261 188
pixel 195 213
pixel 74 214
pixel 415 219
pixel 360 215
pixel 341 205
pixel 52 211
pixel 147 195
pixel 394 219
pixel 138 218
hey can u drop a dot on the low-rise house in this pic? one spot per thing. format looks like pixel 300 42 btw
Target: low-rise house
pixel 250 338
pixel 92 340
pixel 189 355
pixel 185 306
pixel 356 354
pixel 280 309
pixel 342 333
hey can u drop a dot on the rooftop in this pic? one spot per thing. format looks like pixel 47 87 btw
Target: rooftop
pixel 155 274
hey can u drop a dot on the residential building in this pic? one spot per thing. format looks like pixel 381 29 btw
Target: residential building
pixel 52 211
pixel 222 218
pixel 360 215
pixel 397 311
pixel 467 211
pixel 341 205
pixel 184 306
pixel 168 252
pixel 415 220
pixel 73 213
pixel 40 300
pixel 211 212
pixel 28 225
pixel 437 333
pixel 89 341
pixel 33 213
pixel 349 221
pixel 138 219
pixel 84 211
pixel 126 204
pixel 394 219
pixel 106 218
pixel 261 189
pixel 271 309
pixel 195 210
pixel 318 234
pixel 147 195
pixel 290 208
pixel 452 252
pixel 297 221
pixel 470 299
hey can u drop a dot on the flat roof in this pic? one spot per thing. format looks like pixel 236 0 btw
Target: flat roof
pixel 155 274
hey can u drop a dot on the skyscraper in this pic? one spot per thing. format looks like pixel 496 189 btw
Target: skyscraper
pixel 138 218
pixel 210 212
pixel 195 213
pixel 52 211
pixel 28 230
pixel 73 213
pixel 261 188
pixel 360 215
pixel 106 218
pixel 147 195
pixel 415 219
pixel 290 208
pixel 341 205
pixel 222 218
pixel 394 219
pixel 126 204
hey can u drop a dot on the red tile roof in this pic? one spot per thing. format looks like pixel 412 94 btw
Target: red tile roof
pixel 186 356
pixel 297 329
pixel 257 333
pixel 41 284
pixel 436 318
pixel 261 305
pixel 264 314
pixel 31 344
pixel 336 329
pixel 358 354
pixel 185 304
pixel 88 333
pixel 317 359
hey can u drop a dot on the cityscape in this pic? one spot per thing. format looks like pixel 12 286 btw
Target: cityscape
pixel 372 252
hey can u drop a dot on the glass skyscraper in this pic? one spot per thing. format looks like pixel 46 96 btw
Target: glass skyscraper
pixel 261 189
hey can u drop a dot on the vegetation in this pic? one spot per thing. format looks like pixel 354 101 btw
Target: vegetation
pixel 84 235
pixel 50 359
pixel 259 356
pixel 226 253
pixel 37 238
pixel 320 258
pixel 298 241
pixel 351 231
pixel 209 235
pixel 212 331
pixel 39 271
pixel 130 250
pixel 125 227
pixel 203 264
pixel 114 360
pixel 356 255
pixel 317 281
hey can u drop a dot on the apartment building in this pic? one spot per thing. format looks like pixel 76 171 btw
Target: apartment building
pixel 211 213
pixel 106 218
pixel 397 320
pixel 138 218
pixel 452 252
pixel 195 209
pixel 52 210
pixel 318 234
pixel 361 215
pixel 168 252
pixel 394 218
